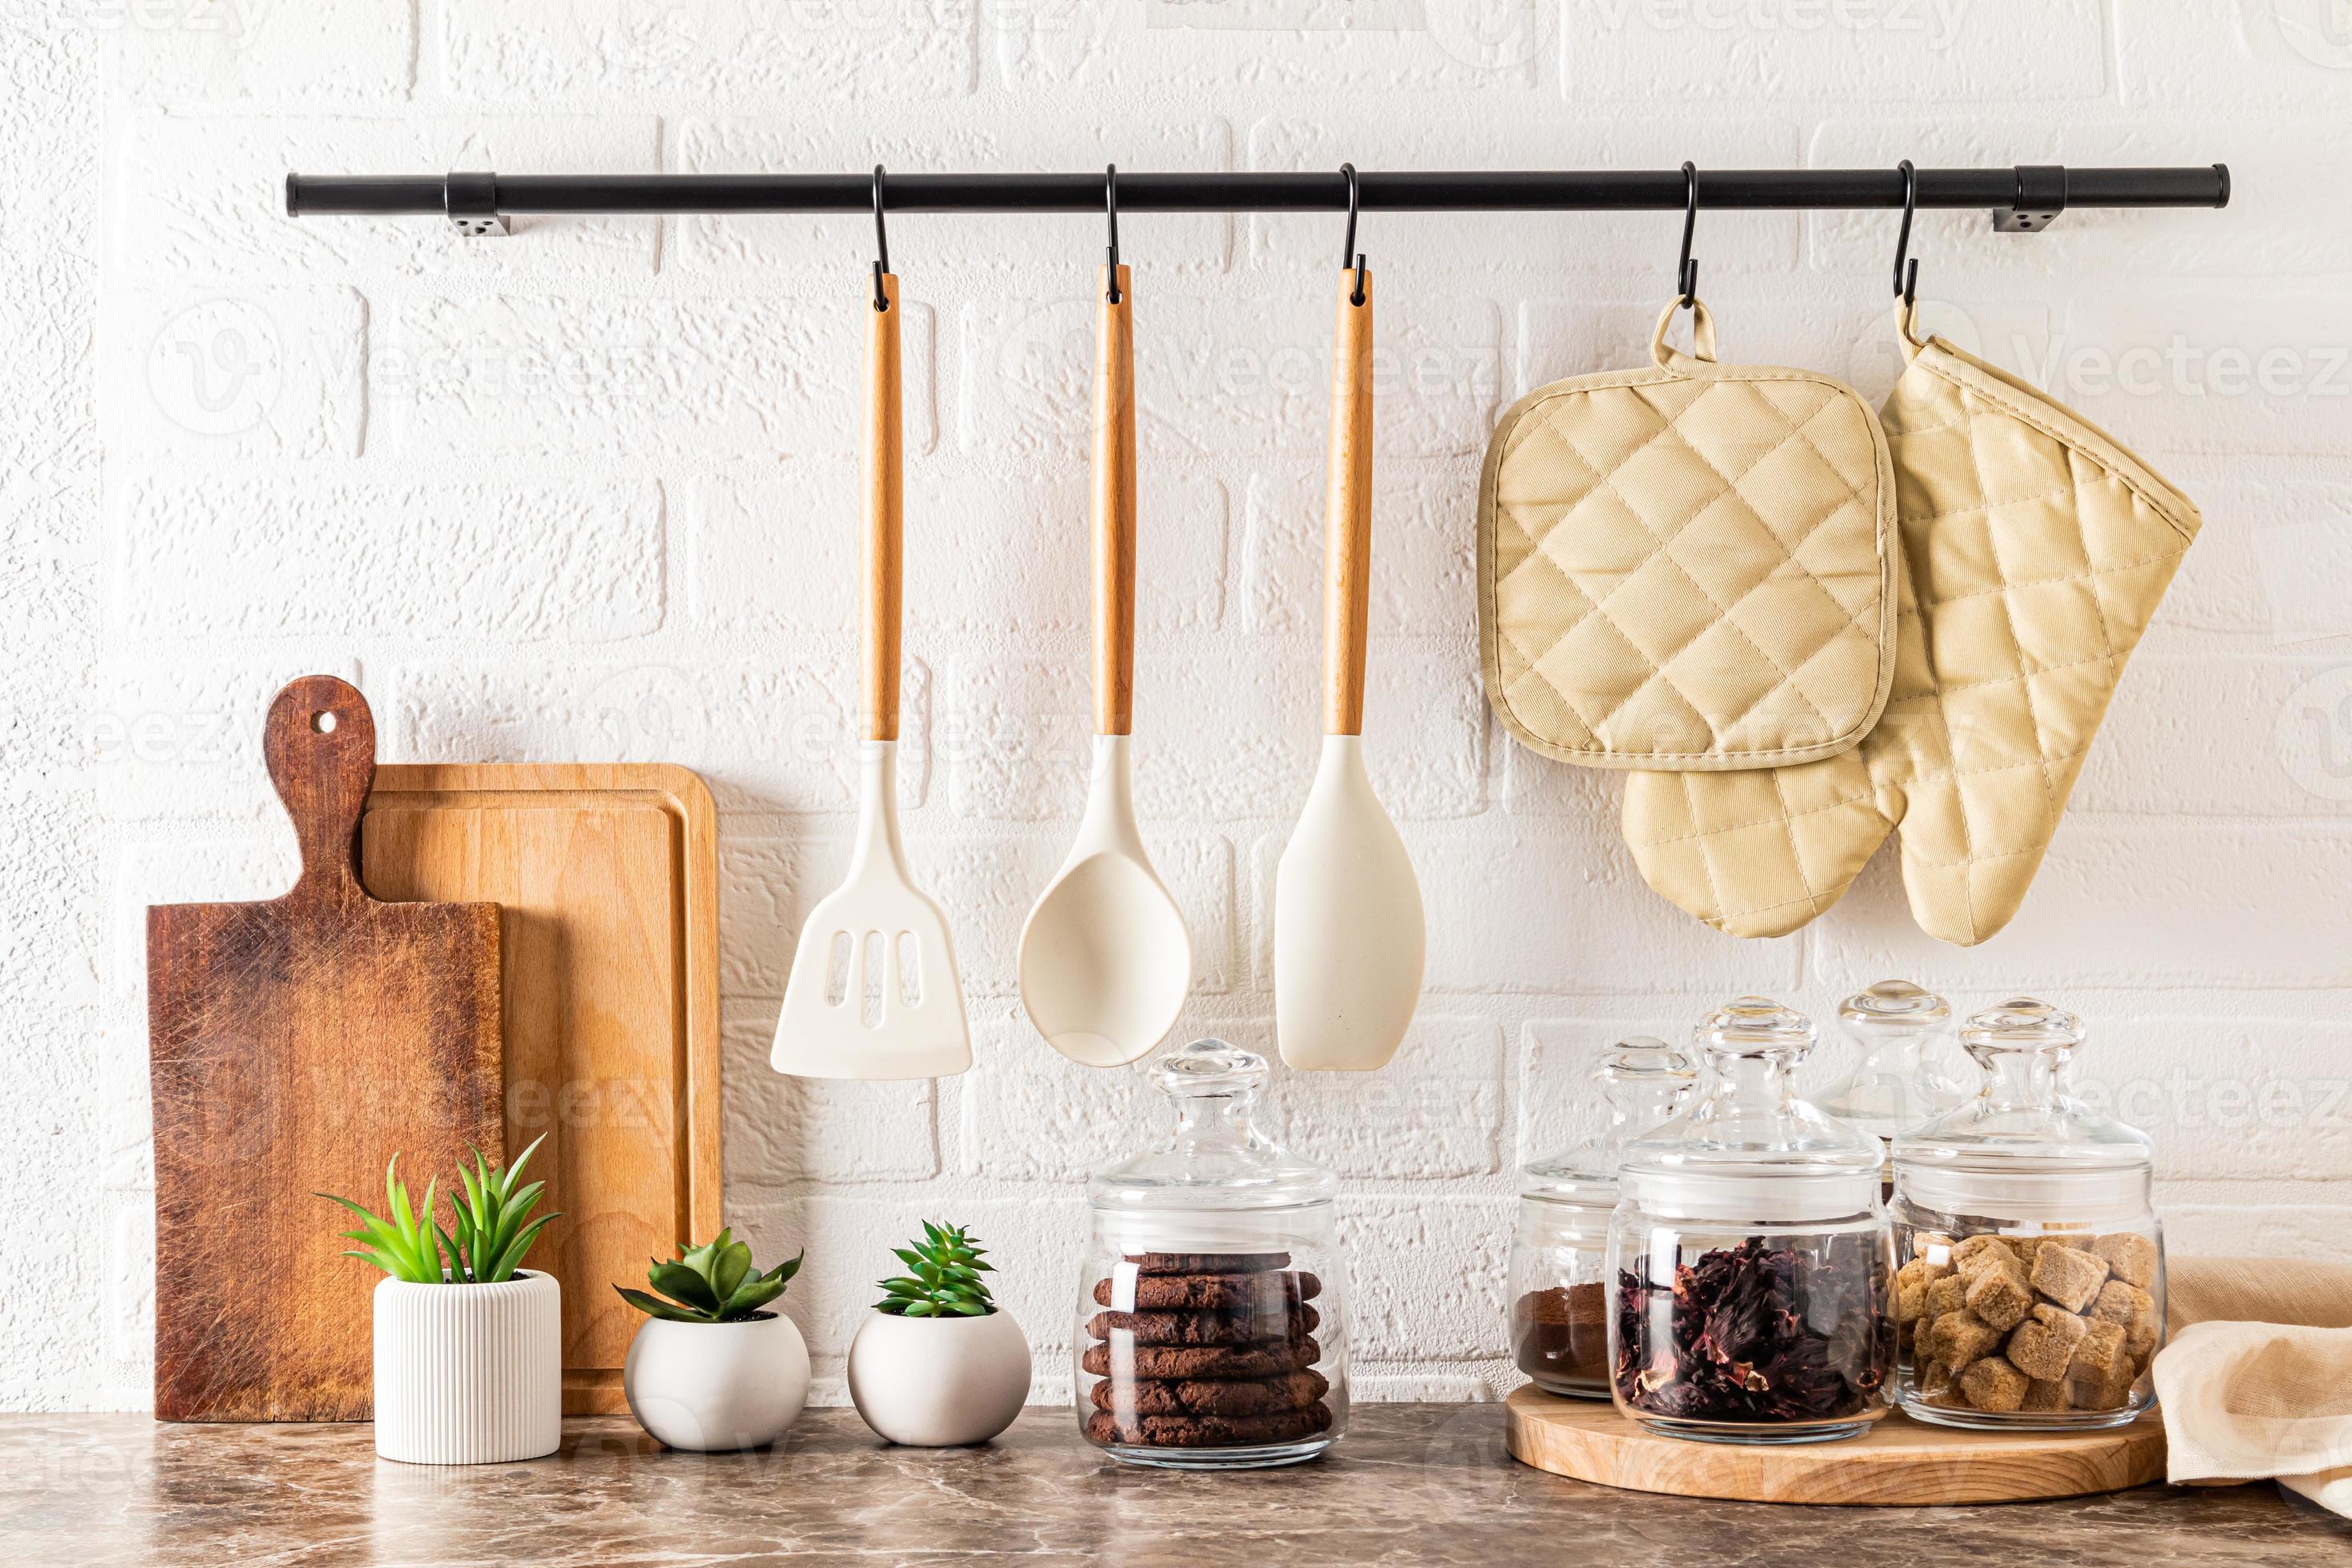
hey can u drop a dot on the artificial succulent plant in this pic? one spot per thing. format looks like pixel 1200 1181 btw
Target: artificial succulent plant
pixel 944 1278
pixel 492 1227
pixel 713 1283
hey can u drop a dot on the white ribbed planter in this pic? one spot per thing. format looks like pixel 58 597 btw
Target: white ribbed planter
pixel 469 1374
pixel 937 1382
pixel 711 1387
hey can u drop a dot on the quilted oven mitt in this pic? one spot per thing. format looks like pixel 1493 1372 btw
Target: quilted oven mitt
pixel 2035 549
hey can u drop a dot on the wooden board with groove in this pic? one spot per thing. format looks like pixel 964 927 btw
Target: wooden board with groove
pixel 606 875
pixel 1898 1462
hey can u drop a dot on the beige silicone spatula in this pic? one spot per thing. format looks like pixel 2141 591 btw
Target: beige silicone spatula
pixel 1347 932
pixel 872 992
pixel 1104 957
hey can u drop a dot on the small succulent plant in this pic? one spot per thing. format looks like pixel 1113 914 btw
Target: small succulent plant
pixel 943 1278
pixel 493 1228
pixel 713 1283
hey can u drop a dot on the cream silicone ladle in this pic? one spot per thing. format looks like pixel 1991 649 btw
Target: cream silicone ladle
pixel 1106 961
pixel 1347 925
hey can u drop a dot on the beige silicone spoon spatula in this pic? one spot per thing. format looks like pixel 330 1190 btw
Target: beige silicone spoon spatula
pixel 873 991
pixel 1105 958
pixel 1347 933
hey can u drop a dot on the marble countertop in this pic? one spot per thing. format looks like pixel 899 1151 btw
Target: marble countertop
pixel 1410 1483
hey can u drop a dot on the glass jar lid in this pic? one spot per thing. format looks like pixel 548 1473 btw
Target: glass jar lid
pixel 1900 1079
pixel 1644 1082
pixel 1217 1180
pixel 2022 1145
pixel 1746 1147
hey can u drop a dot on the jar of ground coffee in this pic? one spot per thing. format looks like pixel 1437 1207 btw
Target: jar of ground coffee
pixel 1559 1289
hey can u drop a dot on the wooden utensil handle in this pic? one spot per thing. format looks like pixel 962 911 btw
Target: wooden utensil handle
pixel 319 744
pixel 1347 511
pixel 1114 551
pixel 885 518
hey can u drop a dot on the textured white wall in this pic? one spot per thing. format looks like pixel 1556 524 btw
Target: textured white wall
pixel 587 493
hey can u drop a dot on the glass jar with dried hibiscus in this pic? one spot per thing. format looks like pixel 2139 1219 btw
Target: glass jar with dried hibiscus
pixel 1559 1248
pixel 1750 1255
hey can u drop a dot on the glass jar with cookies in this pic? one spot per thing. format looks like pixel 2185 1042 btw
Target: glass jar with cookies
pixel 1212 1319
pixel 2029 1287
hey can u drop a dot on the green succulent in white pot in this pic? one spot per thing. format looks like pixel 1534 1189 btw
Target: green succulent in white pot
pixel 469 1343
pixel 937 1362
pixel 712 1367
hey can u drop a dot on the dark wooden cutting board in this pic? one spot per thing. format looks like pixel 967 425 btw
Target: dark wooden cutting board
pixel 296 1046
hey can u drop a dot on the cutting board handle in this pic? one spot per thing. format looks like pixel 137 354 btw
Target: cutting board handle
pixel 319 744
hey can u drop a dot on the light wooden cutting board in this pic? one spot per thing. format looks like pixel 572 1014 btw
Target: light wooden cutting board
pixel 607 879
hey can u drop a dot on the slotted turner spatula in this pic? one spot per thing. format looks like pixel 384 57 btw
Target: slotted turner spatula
pixel 872 992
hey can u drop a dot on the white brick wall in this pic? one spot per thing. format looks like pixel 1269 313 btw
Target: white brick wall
pixel 587 492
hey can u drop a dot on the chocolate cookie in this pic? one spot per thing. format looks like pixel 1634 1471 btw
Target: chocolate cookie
pixel 1208 1262
pixel 1292 1392
pixel 1206 1327
pixel 1170 1360
pixel 1209 1431
pixel 1212 1292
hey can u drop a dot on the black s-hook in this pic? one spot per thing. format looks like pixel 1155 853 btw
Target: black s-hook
pixel 1110 206
pixel 1907 284
pixel 1348 254
pixel 881 245
pixel 1686 269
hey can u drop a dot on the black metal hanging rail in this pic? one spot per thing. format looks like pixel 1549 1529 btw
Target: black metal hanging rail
pixel 2030 192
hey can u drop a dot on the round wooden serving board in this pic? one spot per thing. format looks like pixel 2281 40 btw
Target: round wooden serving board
pixel 1900 1462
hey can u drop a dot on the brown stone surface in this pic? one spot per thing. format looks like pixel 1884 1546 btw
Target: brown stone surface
pixel 1421 1484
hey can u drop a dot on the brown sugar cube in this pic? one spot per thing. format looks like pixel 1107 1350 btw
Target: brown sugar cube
pixel 2045 1394
pixel 2098 1393
pixel 2068 1275
pixel 2043 1345
pixel 1937 1382
pixel 2139 1341
pixel 2120 1302
pixel 1945 1295
pixel 2131 1257
pixel 1907 1306
pixel 2025 1248
pixel 1919 1272
pixel 1993 1384
pixel 1930 1255
pixel 1999 1297
pixel 1962 1338
pixel 1981 1251
pixel 2099 1356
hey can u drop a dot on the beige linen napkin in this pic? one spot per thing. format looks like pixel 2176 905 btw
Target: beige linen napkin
pixel 2257 1378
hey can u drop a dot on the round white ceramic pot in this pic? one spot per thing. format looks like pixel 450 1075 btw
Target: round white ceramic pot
pixel 469 1374
pixel 711 1388
pixel 936 1383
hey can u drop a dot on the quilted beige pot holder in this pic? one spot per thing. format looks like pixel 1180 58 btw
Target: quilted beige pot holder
pixel 1688 566
pixel 2036 548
